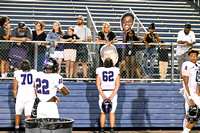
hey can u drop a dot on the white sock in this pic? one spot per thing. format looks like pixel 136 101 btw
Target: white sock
pixel 16 127
pixel 186 130
pixel 3 75
pixel 185 123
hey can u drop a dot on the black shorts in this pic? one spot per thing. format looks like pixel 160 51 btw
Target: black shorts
pixel 130 50
pixel 82 53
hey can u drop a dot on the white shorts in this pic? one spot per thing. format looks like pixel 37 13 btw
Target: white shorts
pixel 195 98
pixel 114 101
pixel 57 54
pixel 21 105
pixel 70 54
pixel 47 110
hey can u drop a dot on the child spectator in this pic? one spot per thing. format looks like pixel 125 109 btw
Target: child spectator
pixel 70 51
pixel 163 59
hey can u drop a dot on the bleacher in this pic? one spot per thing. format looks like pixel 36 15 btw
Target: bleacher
pixel 169 16
pixel 140 104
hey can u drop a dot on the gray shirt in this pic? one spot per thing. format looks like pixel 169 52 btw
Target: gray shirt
pixel 3 32
pixel 16 33
pixel 82 32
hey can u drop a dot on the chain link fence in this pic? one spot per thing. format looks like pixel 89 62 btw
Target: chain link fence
pixel 164 66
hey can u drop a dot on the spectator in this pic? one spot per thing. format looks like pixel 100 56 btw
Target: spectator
pixel 70 51
pixel 130 51
pixel 150 54
pixel 127 22
pixel 163 59
pixel 187 39
pixel 54 37
pixel 23 33
pixel 5 48
pixel 84 34
pixel 106 36
pixel 40 35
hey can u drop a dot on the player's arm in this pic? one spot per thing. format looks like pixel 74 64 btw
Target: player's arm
pixel 197 90
pixel 15 86
pixel 64 91
pixel 186 80
pixel 98 84
pixel 117 85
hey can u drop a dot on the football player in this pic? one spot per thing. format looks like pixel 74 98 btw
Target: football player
pixel 48 83
pixel 23 91
pixel 190 71
pixel 108 82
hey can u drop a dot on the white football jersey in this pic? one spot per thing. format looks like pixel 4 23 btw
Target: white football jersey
pixel 26 82
pixel 107 76
pixel 47 85
pixel 191 70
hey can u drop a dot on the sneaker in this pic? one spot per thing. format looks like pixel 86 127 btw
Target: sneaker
pixel 17 131
pixel 3 75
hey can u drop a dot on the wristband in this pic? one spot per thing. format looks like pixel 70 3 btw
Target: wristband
pixel 189 97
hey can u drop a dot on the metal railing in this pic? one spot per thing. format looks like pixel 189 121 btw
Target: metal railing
pixel 139 24
pixel 172 65
pixel 196 2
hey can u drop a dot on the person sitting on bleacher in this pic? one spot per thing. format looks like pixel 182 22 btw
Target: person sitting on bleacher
pixel 187 39
pixel 4 48
pixel 23 33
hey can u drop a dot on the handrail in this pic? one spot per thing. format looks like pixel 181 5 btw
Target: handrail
pixel 197 2
pixel 138 19
pixel 119 43
pixel 90 16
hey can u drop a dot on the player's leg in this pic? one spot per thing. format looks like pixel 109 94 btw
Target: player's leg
pixel 28 108
pixel 189 127
pixel 19 106
pixel 102 122
pixel 185 121
pixel 112 122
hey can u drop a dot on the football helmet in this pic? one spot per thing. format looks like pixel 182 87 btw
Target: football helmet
pixel 193 113
pixel 51 63
pixel 106 106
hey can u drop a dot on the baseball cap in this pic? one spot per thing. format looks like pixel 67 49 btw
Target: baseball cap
pixel 21 25
pixel 193 51
pixel 80 17
pixel 187 25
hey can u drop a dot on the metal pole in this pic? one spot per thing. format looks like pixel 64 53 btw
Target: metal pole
pixel 172 64
pixel 138 29
pixel 36 56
